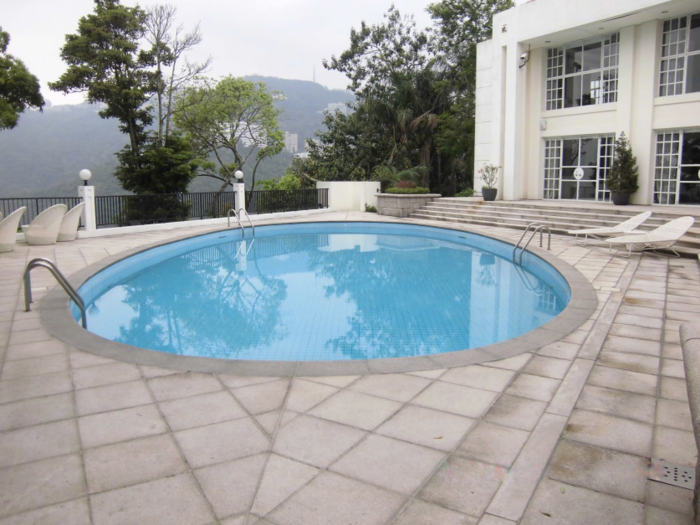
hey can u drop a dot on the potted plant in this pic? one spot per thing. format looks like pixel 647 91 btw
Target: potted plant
pixel 488 176
pixel 623 178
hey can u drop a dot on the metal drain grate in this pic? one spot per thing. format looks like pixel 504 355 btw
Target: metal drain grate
pixel 672 474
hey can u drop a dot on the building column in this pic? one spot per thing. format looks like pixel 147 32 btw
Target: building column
pixel 87 193
pixel 512 161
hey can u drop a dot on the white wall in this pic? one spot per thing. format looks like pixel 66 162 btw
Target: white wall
pixel 351 196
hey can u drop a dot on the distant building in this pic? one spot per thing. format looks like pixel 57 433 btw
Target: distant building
pixel 337 106
pixel 291 142
pixel 253 135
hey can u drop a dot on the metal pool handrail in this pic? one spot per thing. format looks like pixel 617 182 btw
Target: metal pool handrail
pixel 41 262
pixel 243 210
pixel 233 210
pixel 538 228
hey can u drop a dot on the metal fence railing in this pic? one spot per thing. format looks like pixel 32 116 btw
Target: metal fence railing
pixel 127 210
pixel 274 201
pixel 35 205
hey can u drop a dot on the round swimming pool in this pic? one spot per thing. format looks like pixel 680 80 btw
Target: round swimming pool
pixel 323 291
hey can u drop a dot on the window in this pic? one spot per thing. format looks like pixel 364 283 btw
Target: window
pixel 680 56
pixel 583 73
pixel 677 173
pixel 578 168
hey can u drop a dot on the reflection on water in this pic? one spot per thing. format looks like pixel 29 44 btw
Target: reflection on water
pixel 324 296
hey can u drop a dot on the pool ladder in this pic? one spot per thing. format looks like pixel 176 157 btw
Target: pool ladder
pixel 238 218
pixel 41 262
pixel 537 228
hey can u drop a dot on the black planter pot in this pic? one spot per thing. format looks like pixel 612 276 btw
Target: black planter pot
pixel 489 194
pixel 620 199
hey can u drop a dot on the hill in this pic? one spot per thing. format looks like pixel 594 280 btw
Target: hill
pixel 44 153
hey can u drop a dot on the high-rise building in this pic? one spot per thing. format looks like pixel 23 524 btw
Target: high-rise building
pixel 291 142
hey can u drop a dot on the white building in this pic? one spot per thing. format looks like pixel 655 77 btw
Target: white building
pixel 291 142
pixel 561 79
pixel 337 106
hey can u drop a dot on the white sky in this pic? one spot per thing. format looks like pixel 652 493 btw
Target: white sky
pixel 282 38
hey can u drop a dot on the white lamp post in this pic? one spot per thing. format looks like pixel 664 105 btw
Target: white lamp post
pixel 239 188
pixel 85 176
pixel 87 193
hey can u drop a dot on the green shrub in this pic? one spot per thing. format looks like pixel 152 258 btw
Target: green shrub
pixel 624 174
pixel 371 209
pixel 408 191
pixel 469 192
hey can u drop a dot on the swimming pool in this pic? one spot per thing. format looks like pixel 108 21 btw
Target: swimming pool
pixel 323 291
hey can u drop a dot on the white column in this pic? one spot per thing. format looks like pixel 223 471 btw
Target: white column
pixel 239 188
pixel 87 193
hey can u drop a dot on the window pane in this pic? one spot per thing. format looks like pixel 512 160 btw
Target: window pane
pixel 695 33
pixel 589 153
pixel 591 89
pixel 690 174
pixel 591 56
pixel 571 153
pixel 689 194
pixel 574 59
pixel 692 82
pixel 572 92
pixel 691 149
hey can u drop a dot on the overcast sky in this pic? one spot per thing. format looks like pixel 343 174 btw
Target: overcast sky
pixel 283 38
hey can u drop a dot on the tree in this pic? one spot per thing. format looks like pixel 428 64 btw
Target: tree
pixel 104 61
pixel 166 168
pixel 168 50
pixel 19 89
pixel 233 117
pixel 624 174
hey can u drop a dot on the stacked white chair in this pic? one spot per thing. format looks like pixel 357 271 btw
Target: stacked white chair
pixel 8 229
pixel 69 224
pixel 624 228
pixel 44 228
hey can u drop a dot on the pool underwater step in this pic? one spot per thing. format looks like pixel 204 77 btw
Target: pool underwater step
pixel 559 219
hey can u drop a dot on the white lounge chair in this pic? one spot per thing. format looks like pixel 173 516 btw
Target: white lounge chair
pixel 44 228
pixel 626 227
pixel 69 224
pixel 662 238
pixel 8 229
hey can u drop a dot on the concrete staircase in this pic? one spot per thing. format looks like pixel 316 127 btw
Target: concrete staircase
pixel 559 216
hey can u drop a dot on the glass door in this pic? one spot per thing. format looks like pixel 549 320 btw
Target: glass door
pixel 677 174
pixel 579 173
pixel 577 168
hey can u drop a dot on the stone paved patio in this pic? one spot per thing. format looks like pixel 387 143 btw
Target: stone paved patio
pixel 563 436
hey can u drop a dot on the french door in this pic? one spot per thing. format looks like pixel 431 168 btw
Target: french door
pixel 576 168
pixel 677 172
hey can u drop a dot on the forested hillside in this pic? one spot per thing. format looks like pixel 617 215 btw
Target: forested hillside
pixel 44 153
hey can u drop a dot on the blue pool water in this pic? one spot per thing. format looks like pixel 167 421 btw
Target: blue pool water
pixel 323 291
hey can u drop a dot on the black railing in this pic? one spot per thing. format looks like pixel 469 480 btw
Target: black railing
pixel 128 210
pixel 274 201
pixel 35 205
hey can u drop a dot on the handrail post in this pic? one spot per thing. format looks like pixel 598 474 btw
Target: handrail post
pixel 41 262
pixel 241 211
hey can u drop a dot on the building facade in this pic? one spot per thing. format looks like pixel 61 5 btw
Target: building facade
pixel 291 142
pixel 560 80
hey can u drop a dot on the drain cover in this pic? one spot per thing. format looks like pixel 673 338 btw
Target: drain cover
pixel 672 473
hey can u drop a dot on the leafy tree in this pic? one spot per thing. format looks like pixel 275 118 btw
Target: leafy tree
pixel 161 169
pixel 19 89
pixel 287 182
pixel 222 118
pixel 104 61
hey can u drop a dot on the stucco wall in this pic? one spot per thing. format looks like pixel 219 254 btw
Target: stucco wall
pixel 351 196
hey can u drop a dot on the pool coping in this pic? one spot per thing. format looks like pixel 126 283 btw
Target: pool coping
pixel 57 319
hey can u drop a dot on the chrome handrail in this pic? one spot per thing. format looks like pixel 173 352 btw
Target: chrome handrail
pixel 41 262
pixel 249 220
pixel 538 228
pixel 237 218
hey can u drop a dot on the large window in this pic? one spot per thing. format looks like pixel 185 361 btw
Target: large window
pixel 680 56
pixel 577 168
pixel 677 173
pixel 583 73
